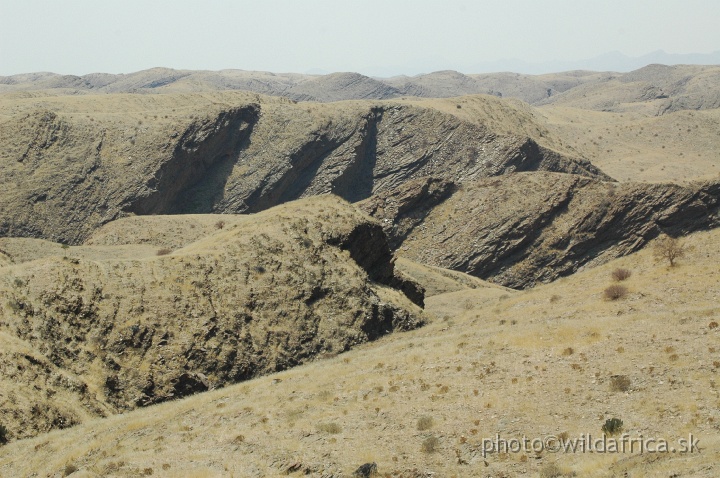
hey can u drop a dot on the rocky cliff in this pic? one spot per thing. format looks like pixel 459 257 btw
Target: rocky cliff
pixel 73 164
pixel 521 229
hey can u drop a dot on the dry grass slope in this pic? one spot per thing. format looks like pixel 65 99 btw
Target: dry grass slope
pixel 142 309
pixel 532 363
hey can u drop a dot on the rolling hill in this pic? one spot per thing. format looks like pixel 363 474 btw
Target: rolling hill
pixel 239 273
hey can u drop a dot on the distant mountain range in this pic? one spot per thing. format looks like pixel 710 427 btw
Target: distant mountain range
pixel 612 61
pixel 659 88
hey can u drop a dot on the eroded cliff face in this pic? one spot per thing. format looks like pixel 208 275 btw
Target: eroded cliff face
pixel 71 169
pixel 258 295
pixel 69 172
pixel 521 229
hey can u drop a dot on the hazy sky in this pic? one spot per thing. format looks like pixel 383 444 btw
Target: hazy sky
pixel 370 36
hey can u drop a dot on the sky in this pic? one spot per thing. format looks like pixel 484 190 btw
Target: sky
pixel 374 37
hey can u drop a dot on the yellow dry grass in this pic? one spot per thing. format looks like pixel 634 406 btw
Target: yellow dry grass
pixel 677 147
pixel 528 363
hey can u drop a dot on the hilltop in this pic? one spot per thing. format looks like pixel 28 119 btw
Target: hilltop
pixel 76 163
pixel 98 158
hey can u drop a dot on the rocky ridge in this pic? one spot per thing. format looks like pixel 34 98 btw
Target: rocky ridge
pixel 521 229
pixel 68 173
pixel 99 333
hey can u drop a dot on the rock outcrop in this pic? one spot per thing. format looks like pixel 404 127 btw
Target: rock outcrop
pixel 521 229
pixel 66 174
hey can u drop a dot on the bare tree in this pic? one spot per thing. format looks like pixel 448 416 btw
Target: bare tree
pixel 669 248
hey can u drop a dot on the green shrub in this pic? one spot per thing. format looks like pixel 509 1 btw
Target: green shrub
pixel 612 426
pixel 3 434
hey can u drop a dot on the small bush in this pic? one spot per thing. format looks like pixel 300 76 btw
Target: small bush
pixel 424 423
pixel 332 428
pixel 430 445
pixel 69 469
pixel 615 292
pixel 219 224
pixel 713 325
pixel 3 434
pixel 620 383
pixel 612 426
pixel 621 274
pixel 164 251
pixel 15 305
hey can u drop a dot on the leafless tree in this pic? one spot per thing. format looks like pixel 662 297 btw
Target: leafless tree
pixel 669 248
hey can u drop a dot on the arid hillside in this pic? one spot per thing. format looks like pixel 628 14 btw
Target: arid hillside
pixel 160 307
pixel 524 228
pixel 654 89
pixel 72 164
pixel 676 147
pixel 252 274
pixel 421 166
pixel 558 360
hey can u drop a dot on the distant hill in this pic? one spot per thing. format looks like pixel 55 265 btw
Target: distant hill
pixel 674 87
pixel 611 61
